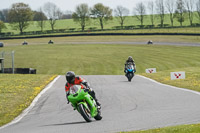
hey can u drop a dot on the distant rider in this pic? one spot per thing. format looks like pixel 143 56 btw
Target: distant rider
pixel 128 61
pixel 76 80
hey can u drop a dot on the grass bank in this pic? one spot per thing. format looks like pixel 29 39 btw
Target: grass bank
pixel 68 24
pixel 17 92
pixel 194 128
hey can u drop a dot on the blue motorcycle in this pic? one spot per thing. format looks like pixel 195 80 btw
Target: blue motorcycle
pixel 130 72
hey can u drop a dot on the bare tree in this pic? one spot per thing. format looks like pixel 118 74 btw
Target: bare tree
pixel 170 5
pixel 121 13
pixel 198 9
pixel 140 11
pixel 81 15
pixel 60 14
pixel 67 15
pixel 161 11
pixel 52 12
pixel 151 9
pixel 180 11
pixel 102 13
pixel 190 9
pixel 40 18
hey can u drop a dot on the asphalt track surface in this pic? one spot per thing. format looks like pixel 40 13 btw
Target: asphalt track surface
pixel 154 43
pixel 117 42
pixel 137 105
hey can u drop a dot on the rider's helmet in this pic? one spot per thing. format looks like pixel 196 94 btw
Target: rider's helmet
pixel 70 77
pixel 130 58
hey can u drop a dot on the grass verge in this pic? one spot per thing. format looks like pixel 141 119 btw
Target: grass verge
pixel 191 82
pixel 17 92
pixel 193 128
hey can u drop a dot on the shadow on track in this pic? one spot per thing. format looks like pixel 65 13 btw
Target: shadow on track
pixel 126 81
pixel 69 123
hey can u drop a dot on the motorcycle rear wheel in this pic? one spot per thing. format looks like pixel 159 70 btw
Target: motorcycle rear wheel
pixel 86 114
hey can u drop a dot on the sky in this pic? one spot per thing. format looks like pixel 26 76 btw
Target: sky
pixel 70 5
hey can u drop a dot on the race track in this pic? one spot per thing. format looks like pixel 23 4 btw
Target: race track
pixel 137 105
pixel 114 42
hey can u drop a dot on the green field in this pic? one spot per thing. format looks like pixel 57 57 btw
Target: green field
pixel 102 59
pixel 105 59
pixel 111 24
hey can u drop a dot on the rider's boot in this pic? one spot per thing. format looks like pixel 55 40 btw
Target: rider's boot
pixel 92 93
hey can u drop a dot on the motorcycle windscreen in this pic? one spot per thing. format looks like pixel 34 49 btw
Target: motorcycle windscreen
pixel 74 89
pixel 130 68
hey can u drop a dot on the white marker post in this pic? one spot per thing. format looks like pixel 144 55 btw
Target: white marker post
pixel 177 75
pixel 151 70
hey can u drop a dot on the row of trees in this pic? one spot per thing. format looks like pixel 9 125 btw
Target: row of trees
pixel 177 9
pixel 20 14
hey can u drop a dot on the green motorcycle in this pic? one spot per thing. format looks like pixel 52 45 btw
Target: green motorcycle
pixel 84 103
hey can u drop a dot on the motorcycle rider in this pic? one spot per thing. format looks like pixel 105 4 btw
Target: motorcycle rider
pixel 76 80
pixel 129 60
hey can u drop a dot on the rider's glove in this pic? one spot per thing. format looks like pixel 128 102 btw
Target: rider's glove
pixel 86 90
pixel 86 84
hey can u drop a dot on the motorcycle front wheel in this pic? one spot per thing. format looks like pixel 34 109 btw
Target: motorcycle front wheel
pixel 98 116
pixel 85 113
pixel 130 76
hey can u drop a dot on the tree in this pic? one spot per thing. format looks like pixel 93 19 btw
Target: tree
pixel 180 12
pixel 170 5
pixel 190 9
pixel 4 15
pixel 40 17
pixel 102 13
pixel 140 11
pixel 19 15
pixel 151 8
pixel 2 26
pixel 1 16
pixel 52 12
pixel 198 9
pixel 67 15
pixel 121 13
pixel 161 11
pixel 81 15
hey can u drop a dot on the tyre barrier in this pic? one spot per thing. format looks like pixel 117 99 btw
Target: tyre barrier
pixel 20 70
